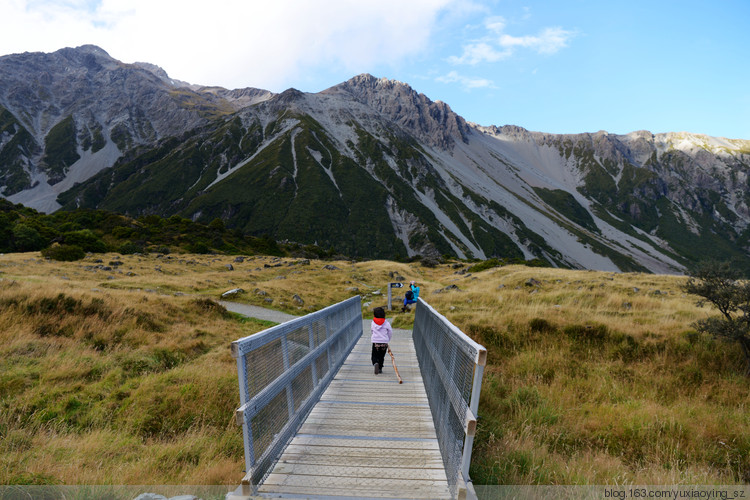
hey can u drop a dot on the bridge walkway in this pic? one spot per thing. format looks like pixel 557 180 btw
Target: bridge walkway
pixel 368 436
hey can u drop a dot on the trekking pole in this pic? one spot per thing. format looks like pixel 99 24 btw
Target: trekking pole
pixel 394 365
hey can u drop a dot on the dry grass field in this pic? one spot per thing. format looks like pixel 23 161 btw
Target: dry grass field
pixel 117 370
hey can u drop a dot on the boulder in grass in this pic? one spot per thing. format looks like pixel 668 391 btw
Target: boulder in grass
pixel 232 293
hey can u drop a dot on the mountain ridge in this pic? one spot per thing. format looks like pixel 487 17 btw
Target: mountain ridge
pixel 369 156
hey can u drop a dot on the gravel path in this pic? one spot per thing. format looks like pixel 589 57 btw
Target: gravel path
pixel 257 312
pixel 280 317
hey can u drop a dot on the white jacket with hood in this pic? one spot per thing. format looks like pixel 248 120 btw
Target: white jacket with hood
pixel 380 333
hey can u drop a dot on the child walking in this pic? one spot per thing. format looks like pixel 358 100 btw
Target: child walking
pixel 380 334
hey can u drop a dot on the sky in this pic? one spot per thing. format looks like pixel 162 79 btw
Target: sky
pixel 567 66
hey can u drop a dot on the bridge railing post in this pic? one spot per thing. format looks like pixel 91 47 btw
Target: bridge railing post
pixel 474 407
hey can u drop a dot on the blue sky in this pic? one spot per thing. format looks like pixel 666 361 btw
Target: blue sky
pixel 559 67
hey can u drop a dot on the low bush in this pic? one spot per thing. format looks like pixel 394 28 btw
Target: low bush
pixel 65 253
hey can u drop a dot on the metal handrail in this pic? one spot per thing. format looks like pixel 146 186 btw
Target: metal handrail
pixel 294 363
pixel 452 366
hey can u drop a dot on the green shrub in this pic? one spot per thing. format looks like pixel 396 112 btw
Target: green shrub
pixel 129 247
pixel 541 325
pixel 497 342
pixel 67 253
pixel 484 265
pixel 85 239
pixel 27 238
pixel 536 263
pixel 592 334
pixel 199 247
pixel 209 306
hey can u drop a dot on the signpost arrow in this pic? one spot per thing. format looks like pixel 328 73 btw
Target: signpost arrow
pixel 392 285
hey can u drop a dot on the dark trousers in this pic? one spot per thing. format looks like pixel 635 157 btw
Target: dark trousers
pixel 378 354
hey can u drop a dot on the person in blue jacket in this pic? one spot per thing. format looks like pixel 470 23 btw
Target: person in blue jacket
pixel 411 296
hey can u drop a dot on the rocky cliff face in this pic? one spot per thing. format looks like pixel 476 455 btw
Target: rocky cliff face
pixel 43 89
pixel 369 167
pixel 75 103
pixel 432 122
pixel 700 174
pixel 688 190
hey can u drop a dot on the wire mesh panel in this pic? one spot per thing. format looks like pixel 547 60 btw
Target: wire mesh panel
pixel 266 423
pixel 452 366
pixel 267 366
pixel 282 373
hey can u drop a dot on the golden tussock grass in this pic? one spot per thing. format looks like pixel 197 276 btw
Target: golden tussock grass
pixel 119 371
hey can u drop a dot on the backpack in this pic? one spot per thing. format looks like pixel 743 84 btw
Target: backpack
pixel 409 295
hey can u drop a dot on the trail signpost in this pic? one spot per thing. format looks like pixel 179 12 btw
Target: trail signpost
pixel 392 285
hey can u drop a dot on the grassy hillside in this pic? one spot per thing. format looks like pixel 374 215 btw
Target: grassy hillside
pixel 119 371
pixel 598 378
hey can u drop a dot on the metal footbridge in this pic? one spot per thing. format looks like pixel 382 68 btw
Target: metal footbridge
pixel 317 421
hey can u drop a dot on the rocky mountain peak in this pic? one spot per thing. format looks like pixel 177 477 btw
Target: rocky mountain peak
pixel 509 131
pixel 90 57
pixel 641 134
pixel 433 121
pixel 87 49
pixel 238 98
pixel 96 90
pixel 290 95
pixel 366 80
pixel 160 73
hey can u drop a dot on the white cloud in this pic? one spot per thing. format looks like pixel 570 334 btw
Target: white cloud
pixel 226 42
pixel 549 41
pixel 478 52
pixel 468 83
pixel 496 45
pixel 495 24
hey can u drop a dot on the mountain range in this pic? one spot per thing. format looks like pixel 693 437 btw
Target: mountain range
pixel 369 167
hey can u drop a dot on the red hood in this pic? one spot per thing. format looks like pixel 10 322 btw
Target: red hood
pixel 379 321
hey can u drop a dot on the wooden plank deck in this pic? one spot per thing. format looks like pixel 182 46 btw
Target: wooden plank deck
pixel 368 436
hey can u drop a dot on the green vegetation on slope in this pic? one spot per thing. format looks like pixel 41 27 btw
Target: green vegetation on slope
pixel 92 137
pixel 371 151
pixel 60 149
pixel 293 196
pixel 639 199
pixel 23 229
pixel 21 144
pixel 567 206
